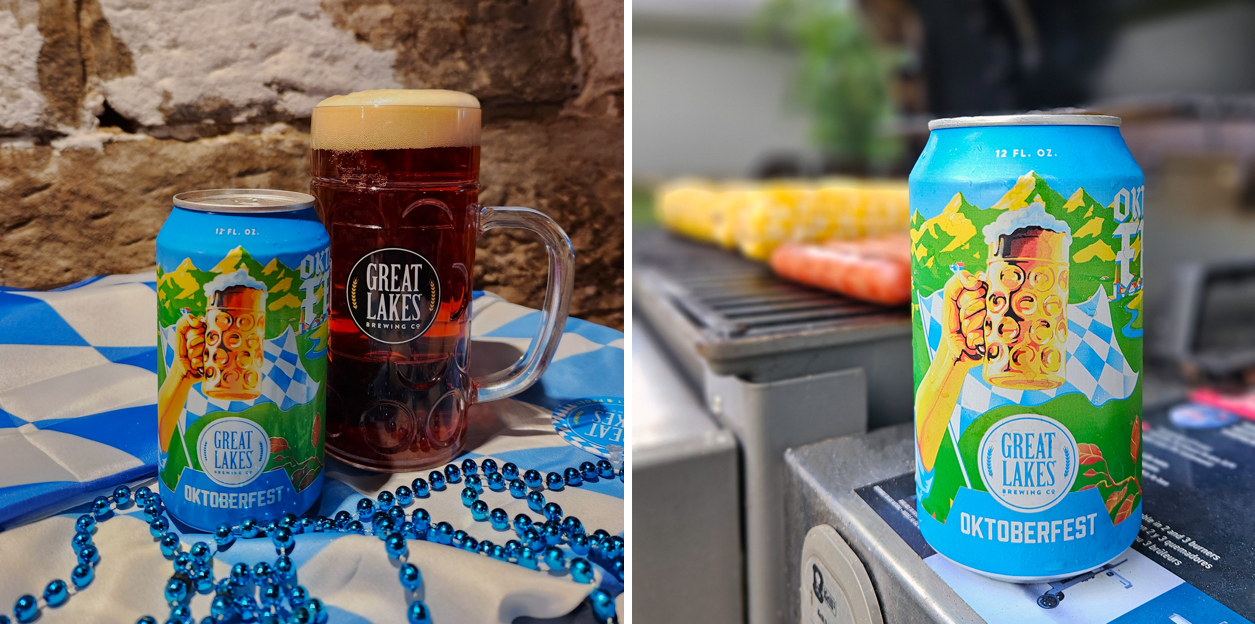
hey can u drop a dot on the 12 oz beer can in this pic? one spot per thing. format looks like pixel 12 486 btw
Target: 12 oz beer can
pixel 1026 261
pixel 242 309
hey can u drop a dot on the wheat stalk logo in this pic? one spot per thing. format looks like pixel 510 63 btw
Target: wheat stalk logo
pixel 353 293
pixel 432 305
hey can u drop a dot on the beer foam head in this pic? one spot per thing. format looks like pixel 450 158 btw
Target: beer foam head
pixel 227 280
pixel 403 97
pixel 396 119
pixel 1033 215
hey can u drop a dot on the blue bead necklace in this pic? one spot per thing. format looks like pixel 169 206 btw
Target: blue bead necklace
pixel 268 593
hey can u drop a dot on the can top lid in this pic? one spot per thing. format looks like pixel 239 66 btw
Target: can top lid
pixel 1036 119
pixel 249 201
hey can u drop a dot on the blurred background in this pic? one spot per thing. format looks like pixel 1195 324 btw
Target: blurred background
pixel 110 107
pixel 787 88
pixel 747 111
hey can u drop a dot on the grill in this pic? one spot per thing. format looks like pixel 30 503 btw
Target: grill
pixel 737 318
pixel 732 298
pixel 747 303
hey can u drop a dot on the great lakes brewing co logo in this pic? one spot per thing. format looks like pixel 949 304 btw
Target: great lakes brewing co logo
pixel 593 424
pixel 393 295
pixel 1028 462
pixel 233 451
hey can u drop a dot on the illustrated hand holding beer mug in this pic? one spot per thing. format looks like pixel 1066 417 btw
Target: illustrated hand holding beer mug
pixel 222 349
pixel 1011 319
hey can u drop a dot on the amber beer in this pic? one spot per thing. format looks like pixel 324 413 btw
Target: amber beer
pixel 396 179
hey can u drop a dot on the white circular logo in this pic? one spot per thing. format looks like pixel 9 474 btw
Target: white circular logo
pixel 233 451
pixel 1028 462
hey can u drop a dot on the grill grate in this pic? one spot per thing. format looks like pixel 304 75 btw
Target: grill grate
pixel 729 297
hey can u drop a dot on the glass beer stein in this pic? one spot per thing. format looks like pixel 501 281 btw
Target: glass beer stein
pixel 235 330
pixel 1026 324
pixel 396 179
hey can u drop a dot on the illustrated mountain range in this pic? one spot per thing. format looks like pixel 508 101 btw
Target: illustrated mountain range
pixel 184 287
pixel 955 236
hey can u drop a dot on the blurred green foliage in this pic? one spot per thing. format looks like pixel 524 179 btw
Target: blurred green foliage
pixel 643 215
pixel 844 78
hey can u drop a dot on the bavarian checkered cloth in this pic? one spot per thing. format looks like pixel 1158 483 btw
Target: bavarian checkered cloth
pixel 1095 365
pixel 78 417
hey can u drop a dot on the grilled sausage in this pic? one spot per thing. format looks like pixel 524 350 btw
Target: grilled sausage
pixel 876 270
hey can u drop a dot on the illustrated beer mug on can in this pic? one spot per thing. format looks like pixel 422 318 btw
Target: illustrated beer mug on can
pixel 1026 324
pixel 396 178
pixel 235 322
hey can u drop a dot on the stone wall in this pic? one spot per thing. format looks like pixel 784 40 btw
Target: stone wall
pixel 109 107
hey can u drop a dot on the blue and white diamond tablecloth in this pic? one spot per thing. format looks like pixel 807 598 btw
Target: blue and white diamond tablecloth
pixel 78 417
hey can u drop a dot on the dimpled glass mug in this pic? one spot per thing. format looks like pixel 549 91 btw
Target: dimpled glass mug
pixel 396 182
pixel 1026 324
pixel 235 330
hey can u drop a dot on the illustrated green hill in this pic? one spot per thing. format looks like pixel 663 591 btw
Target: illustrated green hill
pixel 1086 422
pixel 956 236
pixel 184 288
pixel 298 454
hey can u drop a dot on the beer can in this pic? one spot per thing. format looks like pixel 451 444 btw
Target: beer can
pixel 242 309
pixel 1026 236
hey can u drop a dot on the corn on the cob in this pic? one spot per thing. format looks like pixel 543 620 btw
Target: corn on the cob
pixel 772 219
pixel 756 218
pixel 684 208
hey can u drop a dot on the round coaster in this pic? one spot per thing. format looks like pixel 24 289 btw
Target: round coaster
pixel 593 424
pixel 1196 416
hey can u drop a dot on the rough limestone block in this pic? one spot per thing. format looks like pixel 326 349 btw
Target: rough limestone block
pixel 235 61
pixel 505 52
pixel 600 50
pixel 572 170
pixel 22 104
pixel 73 213
pixel 95 206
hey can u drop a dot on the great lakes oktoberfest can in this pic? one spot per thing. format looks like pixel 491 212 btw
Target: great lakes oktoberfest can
pixel 1026 236
pixel 242 298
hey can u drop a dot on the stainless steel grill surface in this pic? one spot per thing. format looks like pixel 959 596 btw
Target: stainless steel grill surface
pixel 737 302
pixel 722 314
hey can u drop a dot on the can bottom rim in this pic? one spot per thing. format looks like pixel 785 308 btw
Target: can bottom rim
pixel 1031 580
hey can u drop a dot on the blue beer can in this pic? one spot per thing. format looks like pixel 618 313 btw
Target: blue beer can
pixel 242 313
pixel 1026 267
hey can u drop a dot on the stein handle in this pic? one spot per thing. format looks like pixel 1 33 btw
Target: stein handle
pixel 523 373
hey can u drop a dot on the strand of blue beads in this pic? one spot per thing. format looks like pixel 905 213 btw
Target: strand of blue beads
pixel 269 594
